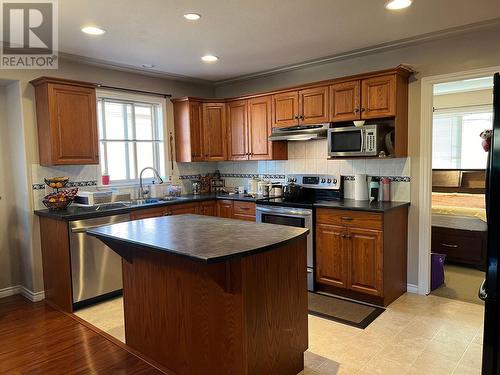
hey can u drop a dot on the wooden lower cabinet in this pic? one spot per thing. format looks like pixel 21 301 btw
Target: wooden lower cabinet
pixel 331 259
pixel 147 213
pixel 244 210
pixel 208 208
pixel 227 208
pixel 179 209
pixel 366 263
pixel 365 249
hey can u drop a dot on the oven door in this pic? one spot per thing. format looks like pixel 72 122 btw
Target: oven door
pixel 348 141
pixel 294 217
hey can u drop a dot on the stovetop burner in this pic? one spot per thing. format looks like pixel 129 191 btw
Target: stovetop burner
pixel 314 188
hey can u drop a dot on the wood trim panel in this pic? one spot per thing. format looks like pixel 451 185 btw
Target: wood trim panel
pixel 56 262
pixel 395 253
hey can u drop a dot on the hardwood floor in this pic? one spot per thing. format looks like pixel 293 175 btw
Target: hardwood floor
pixel 37 339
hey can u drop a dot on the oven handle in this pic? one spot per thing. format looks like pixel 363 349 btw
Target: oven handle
pixel 295 213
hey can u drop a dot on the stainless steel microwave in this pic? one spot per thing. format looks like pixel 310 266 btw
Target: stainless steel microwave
pixel 368 140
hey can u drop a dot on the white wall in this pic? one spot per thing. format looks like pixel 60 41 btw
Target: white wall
pixel 9 250
pixel 472 50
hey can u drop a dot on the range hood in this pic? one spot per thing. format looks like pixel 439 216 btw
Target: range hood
pixel 300 133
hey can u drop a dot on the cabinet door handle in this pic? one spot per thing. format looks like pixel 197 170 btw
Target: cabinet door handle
pixel 363 109
pixel 296 117
pixel 356 110
pixel 167 214
pixel 449 245
pixel 342 235
pixel 347 218
pixel 348 236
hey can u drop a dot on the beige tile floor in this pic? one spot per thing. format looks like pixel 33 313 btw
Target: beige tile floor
pixel 415 335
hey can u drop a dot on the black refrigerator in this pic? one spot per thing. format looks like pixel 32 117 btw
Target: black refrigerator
pixel 490 289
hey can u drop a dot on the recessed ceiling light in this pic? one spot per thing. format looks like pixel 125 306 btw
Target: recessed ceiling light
pixel 148 66
pixel 209 58
pixel 398 4
pixel 192 16
pixel 92 30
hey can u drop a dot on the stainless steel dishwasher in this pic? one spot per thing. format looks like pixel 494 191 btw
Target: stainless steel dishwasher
pixel 96 270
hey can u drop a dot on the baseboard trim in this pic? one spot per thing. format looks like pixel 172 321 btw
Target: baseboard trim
pixel 412 288
pixel 25 292
pixel 32 296
pixel 10 291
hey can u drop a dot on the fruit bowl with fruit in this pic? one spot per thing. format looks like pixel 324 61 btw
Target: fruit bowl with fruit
pixel 56 182
pixel 60 200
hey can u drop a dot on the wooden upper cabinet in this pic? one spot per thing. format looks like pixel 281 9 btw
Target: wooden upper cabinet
pixel 302 107
pixel 237 130
pixel 314 106
pixel 286 109
pixel 214 131
pixel 378 97
pixel 345 101
pixel 188 126
pixel 259 129
pixel 196 130
pixel 331 255
pixel 67 122
pixel 365 261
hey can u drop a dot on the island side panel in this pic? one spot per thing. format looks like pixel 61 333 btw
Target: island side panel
pixel 56 262
pixel 274 287
pixel 184 314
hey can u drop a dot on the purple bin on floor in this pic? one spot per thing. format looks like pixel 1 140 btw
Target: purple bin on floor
pixel 437 270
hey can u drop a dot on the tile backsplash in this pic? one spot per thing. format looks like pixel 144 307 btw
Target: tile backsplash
pixel 303 157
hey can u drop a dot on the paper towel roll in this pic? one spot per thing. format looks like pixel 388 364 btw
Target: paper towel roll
pixel 360 187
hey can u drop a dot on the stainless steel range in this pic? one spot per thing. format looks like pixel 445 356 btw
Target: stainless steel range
pixel 297 209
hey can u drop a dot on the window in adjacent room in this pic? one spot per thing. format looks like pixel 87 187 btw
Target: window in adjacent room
pixel 455 140
pixel 131 137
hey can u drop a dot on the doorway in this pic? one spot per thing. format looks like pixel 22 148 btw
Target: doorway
pixel 462 111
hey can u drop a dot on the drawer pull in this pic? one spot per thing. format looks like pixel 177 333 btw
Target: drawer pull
pixel 348 218
pixel 244 208
pixel 449 245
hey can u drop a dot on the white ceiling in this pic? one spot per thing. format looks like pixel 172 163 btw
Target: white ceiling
pixel 249 36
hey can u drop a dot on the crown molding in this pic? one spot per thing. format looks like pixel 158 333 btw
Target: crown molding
pixel 389 46
pixel 131 69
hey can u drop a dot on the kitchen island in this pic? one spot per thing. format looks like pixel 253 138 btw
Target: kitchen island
pixel 206 295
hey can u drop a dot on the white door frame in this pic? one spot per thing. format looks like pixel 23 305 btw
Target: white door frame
pixel 425 194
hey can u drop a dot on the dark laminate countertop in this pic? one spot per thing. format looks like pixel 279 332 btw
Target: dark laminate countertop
pixel 203 238
pixel 351 204
pixel 74 212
